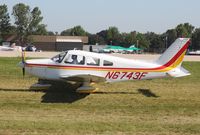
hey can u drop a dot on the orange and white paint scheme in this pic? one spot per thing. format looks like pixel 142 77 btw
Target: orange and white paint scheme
pixel 89 67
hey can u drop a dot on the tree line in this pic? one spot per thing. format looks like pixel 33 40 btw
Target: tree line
pixel 28 21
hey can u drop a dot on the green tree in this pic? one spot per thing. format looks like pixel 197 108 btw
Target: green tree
pixel 127 39
pixel 103 34
pixel 113 35
pixel 28 22
pixel 21 14
pixel 78 31
pixel 41 30
pixel 142 41
pixel 156 43
pixel 94 38
pixel 189 29
pixel 99 37
pixel 171 36
pixel 66 32
pixel 50 33
pixel 75 31
pixel 184 30
pixel 35 27
pixel 4 20
pixel 196 39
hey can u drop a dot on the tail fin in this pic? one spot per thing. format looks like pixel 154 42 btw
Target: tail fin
pixel 174 55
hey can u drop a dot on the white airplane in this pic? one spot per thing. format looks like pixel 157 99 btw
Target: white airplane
pixel 6 48
pixel 89 67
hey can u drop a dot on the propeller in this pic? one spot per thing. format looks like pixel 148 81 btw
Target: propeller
pixel 23 62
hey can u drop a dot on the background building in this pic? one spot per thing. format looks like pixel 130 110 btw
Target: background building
pixel 59 43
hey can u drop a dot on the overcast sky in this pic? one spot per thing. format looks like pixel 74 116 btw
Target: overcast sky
pixel 127 15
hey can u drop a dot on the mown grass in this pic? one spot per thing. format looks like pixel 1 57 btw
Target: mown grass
pixel 11 74
pixel 161 106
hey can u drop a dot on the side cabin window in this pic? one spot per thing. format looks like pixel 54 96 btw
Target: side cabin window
pixel 92 61
pixel 75 59
pixel 107 63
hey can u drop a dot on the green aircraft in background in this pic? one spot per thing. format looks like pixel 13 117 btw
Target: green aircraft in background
pixel 120 49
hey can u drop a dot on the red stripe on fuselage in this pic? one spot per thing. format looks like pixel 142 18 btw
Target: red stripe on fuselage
pixel 170 62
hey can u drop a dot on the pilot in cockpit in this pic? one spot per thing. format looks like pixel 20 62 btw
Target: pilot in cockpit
pixel 74 59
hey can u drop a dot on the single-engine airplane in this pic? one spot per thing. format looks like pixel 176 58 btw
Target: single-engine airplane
pixel 89 67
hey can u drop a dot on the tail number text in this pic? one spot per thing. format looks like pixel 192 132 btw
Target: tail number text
pixel 126 75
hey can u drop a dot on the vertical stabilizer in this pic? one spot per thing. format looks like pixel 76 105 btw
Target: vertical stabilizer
pixel 174 55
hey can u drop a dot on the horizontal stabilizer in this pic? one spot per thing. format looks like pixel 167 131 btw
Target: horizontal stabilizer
pixel 178 72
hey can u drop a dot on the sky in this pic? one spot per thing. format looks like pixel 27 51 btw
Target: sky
pixel 128 15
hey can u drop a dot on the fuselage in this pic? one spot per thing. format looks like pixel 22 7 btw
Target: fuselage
pixel 112 68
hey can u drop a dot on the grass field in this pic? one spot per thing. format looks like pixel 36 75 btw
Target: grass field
pixel 151 107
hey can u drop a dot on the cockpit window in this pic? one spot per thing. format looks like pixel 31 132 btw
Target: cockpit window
pixel 75 59
pixel 58 58
pixel 93 61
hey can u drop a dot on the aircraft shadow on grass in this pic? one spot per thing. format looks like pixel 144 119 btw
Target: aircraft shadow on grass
pixel 59 92
pixel 145 92
pixel 65 92
pixel 62 92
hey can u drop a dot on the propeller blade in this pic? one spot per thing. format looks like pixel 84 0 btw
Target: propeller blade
pixel 23 62
pixel 23 71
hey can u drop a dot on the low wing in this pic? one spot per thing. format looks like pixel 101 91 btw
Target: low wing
pixel 84 78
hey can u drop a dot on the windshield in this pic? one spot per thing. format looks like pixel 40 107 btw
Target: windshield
pixel 58 58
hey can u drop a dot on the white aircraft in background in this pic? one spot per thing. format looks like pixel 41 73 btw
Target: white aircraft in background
pixel 89 67
pixel 5 48
pixel 8 48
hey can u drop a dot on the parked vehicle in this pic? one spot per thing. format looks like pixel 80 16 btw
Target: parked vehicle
pixel 31 48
